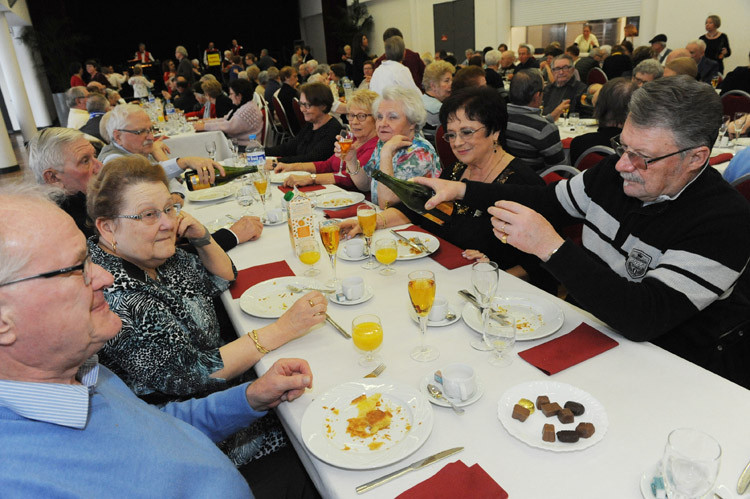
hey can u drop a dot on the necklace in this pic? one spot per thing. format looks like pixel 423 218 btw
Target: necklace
pixel 494 167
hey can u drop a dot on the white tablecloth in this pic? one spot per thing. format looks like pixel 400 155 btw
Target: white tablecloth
pixel 194 144
pixel 645 391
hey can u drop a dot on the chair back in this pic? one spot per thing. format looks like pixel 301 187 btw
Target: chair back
pixel 742 184
pixel 278 109
pixel 592 156
pixel 735 101
pixel 558 172
pixel 596 75
pixel 264 126
pixel 445 153
pixel 298 112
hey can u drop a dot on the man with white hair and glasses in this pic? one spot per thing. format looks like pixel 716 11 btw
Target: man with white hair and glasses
pixel 666 241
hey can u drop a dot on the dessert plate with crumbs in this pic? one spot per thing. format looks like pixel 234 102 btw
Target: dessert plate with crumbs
pixel 537 316
pixel 270 299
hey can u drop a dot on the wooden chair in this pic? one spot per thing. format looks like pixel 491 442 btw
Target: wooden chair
pixel 742 184
pixel 264 126
pixel 298 112
pixel 592 156
pixel 735 101
pixel 444 150
pixel 279 135
pixel 596 75
pixel 278 110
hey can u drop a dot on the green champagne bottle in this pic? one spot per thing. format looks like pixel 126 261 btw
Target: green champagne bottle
pixel 232 172
pixel 414 196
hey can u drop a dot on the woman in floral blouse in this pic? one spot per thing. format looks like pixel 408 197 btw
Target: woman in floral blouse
pixel 401 151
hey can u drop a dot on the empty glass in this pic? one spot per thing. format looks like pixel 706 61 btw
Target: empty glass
pixel 573 120
pixel 210 147
pixel 500 335
pixel 484 276
pixel 690 464
pixel 739 123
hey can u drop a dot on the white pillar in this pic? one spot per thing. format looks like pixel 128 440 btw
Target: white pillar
pixel 14 80
pixel 32 80
pixel 7 156
pixel 502 22
pixel 649 14
pixel 9 105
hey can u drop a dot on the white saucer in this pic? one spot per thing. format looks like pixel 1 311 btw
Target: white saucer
pixel 431 323
pixel 430 378
pixel 369 293
pixel 343 256
pixel 271 224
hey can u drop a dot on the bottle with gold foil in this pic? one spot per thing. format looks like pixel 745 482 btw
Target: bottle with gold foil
pixel 414 196
pixel 192 180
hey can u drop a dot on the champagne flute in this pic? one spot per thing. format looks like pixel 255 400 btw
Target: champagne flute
pixel 330 235
pixel 367 336
pixel 211 149
pixel 484 276
pixel 309 254
pixel 573 119
pixel 739 122
pixel 500 335
pixel 690 464
pixel 422 294
pixel 725 120
pixel 367 218
pixel 260 180
pixel 346 139
pixel 566 110
pixel 386 253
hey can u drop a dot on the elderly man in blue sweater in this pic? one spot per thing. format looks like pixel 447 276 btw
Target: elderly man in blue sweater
pixel 70 427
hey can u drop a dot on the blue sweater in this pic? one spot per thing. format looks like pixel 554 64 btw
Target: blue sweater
pixel 127 448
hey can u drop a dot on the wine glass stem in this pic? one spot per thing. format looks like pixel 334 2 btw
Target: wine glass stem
pixel 368 240
pixel 423 329
pixel 333 264
pixel 485 319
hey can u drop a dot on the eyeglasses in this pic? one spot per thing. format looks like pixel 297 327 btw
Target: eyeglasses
pixel 636 159
pixel 150 217
pixel 85 267
pixel 359 116
pixel 562 68
pixel 144 131
pixel 465 133
pixel 305 105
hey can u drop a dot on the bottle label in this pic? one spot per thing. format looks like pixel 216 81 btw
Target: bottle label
pixel 256 158
pixel 440 214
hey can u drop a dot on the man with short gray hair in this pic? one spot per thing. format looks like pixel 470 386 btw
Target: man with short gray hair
pixel 410 59
pixel 184 66
pixel 646 71
pixel 707 68
pixel 666 241
pixel 76 98
pixel 391 73
pixel 96 105
pixel 526 59
pixel 565 92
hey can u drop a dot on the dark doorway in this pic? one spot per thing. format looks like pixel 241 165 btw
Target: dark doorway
pixel 454 27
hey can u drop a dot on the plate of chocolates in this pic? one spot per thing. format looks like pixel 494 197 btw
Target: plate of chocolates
pixel 552 416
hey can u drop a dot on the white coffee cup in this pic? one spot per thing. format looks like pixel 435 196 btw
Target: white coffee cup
pixel 439 309
pixel 275 215
pixel 354 287
pixel 459 382
pixel 354 248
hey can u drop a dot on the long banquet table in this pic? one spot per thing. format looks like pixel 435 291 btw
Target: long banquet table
pixel 645 390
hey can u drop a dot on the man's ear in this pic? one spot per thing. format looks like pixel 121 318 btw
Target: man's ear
pixel 698 157
pixel 51 176
pixel 7 333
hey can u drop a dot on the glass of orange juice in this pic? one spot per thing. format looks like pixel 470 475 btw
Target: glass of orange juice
pixel 330 236
pixel 260 181
pixel 422 294
pixel 386 253
pixel 367 218
pixel 309 254
pixel 367 335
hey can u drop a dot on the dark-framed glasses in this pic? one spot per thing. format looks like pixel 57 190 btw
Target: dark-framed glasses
pixel 305 105
pixel 562 68
pixel 84 267
pixel 465 133
pixel 150 217
pixel 640 162
pixel 359 116
pixel 141 132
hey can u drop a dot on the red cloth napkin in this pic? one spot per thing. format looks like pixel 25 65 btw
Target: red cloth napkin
pixel 720 158
pixel 350 211
pixel 305 188
pixel 566 142
pixel 448 254
pixel 568 350
pixel 457 480
pixel 250 277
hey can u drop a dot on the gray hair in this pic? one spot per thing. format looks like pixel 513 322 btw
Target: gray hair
pixel 273 72
pixel 524 85
pixel 263 78
pixel 243 75
pixel 394 48
pixel 120 116
pixel 322 69
pixel 649 67
pixel 527 47
pixel 670 104
pixel 605 49
pixel 493 57
pixel 73 94
pixel 562 56
pixel 181 50
pixel 45 149
pixel 311 65
pixel 409 98
pixel 103 127
pixel 701 44
pixel 97 103
pixel 435 71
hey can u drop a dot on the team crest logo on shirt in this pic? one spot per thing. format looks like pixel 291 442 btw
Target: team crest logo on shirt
pixel 637 263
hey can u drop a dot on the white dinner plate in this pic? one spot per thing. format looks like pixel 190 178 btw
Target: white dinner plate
pixel 368 294
pixel 270 299
pixel 338 200
pixel 530 431
pixel 431 323
pixel 279 178
pixel 588 121
pixel 325 421
pixel 406 252
pixel 649 475
pixel 210 194
pixel 536 315
pixel 430 378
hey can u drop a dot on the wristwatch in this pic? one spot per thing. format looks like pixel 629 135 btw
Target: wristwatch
pixel 313 176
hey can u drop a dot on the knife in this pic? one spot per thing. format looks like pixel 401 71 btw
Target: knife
pixel 410 243
pixel 744 480
pixel 416 465
pixel 337 327
pixel 494 314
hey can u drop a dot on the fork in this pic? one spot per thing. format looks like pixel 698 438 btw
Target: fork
pixel 376 372
pixel 297 289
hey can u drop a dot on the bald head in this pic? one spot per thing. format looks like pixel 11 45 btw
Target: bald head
pixel 677 53
pixel 681 66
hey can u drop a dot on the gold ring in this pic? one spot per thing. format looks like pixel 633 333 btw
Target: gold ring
pixel 502 229
pixel 311 303
pixel 504 239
